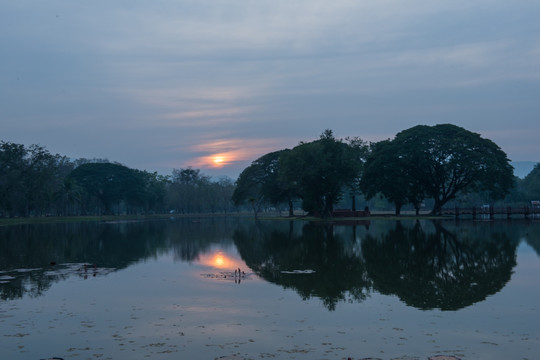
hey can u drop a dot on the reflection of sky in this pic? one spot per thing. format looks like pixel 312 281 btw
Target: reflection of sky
pixel 164 309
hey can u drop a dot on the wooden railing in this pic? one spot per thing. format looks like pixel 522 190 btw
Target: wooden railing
pixel 492 211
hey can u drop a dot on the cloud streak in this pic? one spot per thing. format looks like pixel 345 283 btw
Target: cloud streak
pixel 165 84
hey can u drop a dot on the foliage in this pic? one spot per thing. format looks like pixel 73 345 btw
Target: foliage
pixel 385 173
pixel 114 184
pixel 193 192
pixel 531 184
pixel 318 172
pixel 438 162
pixel 34 182
pixel 260 183
pixel 31 180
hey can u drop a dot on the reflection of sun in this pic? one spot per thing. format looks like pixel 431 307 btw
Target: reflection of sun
pixel 220 260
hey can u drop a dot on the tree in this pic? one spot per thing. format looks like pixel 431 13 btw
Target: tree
pixel 446 160
pixel 30 177
pixel 12 165
pixel 116 183
pixel 385 174
pixel 360 152
pixel 190 191
pixel 261 183
pixel 319 171
pixel 156 190
pixel 531 184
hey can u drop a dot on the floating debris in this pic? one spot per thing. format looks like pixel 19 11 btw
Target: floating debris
pixel 235 275
pixel 298 272
pixel 25 270
pixel 58 271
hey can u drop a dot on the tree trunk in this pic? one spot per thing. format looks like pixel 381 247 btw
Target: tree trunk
pixel 255 208
pixel 436 208
pixel 291 209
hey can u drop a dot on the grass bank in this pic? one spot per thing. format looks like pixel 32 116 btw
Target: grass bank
pixel 265 216
pixel 73 219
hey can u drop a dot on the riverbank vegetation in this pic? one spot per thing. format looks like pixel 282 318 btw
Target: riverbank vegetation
pixel 425 167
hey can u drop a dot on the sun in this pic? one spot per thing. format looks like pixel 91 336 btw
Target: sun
pixel 218 160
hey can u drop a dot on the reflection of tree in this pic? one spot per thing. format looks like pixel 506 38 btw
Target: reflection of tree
pixel 338 274
pixel 191 237
pixel 533 237
pixel 26 251
pixel 448 267
pixel 440 269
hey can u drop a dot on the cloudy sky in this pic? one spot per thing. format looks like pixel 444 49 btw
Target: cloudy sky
pixel 158 85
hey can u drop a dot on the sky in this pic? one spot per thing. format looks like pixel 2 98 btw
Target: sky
pixel 162 85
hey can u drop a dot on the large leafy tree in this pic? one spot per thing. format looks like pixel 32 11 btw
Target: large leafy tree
pixel 191 191
pixel 260 183
pixel 29 179
pixel 385 173
pixel 188 190
pixel 446 160
pixel 319 171
pixel 13 166
pixel 113 183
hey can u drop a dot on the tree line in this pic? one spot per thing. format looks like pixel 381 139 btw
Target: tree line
pixel 436 165
pixel 34 182
pixel 424 164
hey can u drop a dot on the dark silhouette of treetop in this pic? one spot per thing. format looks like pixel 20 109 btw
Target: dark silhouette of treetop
pixel 437 162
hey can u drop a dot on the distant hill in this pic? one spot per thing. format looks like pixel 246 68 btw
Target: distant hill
pixel 522 168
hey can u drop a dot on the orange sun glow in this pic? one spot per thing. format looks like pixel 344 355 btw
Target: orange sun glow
pixel 220 260
pixel 218 160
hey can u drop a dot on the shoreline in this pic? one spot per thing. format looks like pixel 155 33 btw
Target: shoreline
pixel 262 217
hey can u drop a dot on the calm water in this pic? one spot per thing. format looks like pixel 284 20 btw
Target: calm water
pixel 168 290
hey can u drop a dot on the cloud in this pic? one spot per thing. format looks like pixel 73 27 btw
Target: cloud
pixel 165 84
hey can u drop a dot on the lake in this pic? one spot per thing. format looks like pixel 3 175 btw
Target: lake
pixel 206 288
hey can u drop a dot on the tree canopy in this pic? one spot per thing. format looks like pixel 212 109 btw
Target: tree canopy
pixel 431 164
pixel 319 171
pixel 114 183
pixel 385 172
pixel 30 180
pixel 261 183
pixel 438 162
pixel 531 183
pixel 316 172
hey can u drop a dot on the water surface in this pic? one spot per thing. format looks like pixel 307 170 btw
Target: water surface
pixel 171 289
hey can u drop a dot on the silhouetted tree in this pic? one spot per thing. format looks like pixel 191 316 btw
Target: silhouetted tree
pixel 260 183
pixel 439 162
pixel 531 184
pixel 319 171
